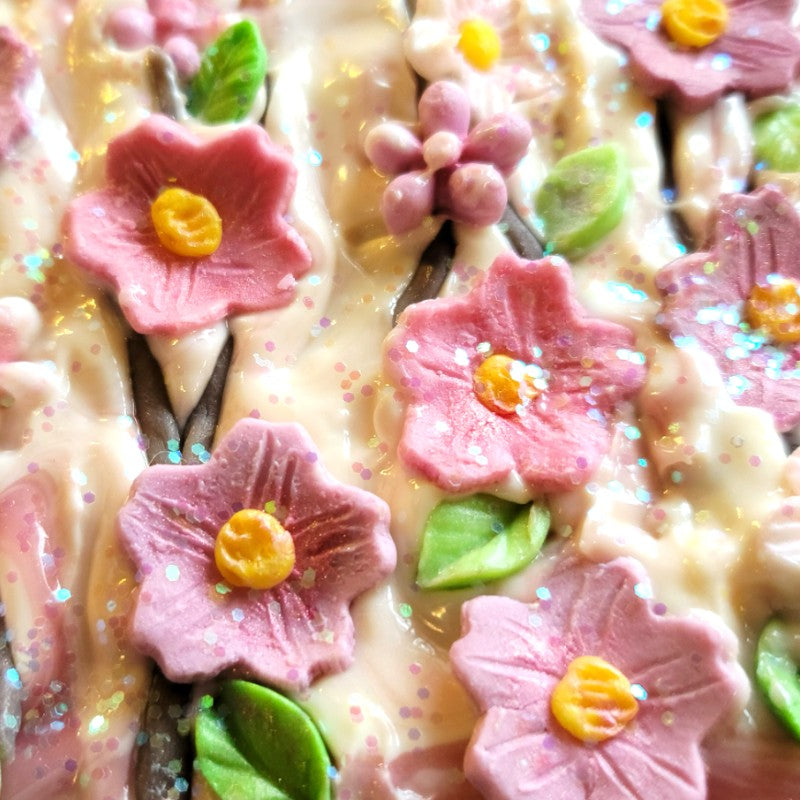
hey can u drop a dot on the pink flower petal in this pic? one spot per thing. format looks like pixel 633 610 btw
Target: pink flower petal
pixel 444 106
pixel 19 64
pixel 193 624
pixel 476 194
pixel 501 140
pixel 408 199
pixel 249 181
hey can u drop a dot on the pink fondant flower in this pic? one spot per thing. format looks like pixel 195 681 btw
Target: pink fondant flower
pixel 16 75
pixel 513 655
pixel 178 26
pixel 754 243
pixel 193 623
pixel 579 368
pixel 758 53
pixel 520 74
pixel 449 168
pixel 247 178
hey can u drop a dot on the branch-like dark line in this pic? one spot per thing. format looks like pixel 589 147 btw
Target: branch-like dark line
pixel 519 235
pixel 164 83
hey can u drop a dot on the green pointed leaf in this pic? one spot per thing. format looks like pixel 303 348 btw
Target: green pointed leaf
pixel 777 674
pixel 256 744
pixel 231 73
pixel 583 198
pixel 777 139
pixel 478 539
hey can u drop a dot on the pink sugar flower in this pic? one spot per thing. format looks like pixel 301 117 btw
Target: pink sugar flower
pixel 449 168
pixel 180 27
pixel 754 244
pixel 194 623
pixel 512 655
pixel 519 75
pixel 567 372
pixel 16 75
pixel 758 52
pixel 248 180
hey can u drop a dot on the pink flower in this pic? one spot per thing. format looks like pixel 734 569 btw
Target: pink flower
pixel 178 26
pixel 754 243
pixel 448 169
pixel 512 656
pixel 247 178
pixel 572 371
pixel 18 69
pixel 520 74
pixel 193 623
pixel 758 53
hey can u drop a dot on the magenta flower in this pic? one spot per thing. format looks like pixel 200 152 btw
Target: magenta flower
pixel 758 52
pixel 513 655
pixel 513 376
pixel 180 27
pixel 193 622
pixel 707 296
pixel 448 169
pixel 248 180
pixel 18 69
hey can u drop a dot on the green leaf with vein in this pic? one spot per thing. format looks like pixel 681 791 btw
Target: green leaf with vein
pixel 777 672
pixel 255 744
pixel 777 139
pixel 478 539
pixel 231 73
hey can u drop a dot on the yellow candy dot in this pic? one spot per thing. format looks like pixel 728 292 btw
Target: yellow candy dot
pixel 187 224
pixel 775 310
pixel 501 384
pixel 479 43
pixel 694 23
pixel 593 701
pixel 254 550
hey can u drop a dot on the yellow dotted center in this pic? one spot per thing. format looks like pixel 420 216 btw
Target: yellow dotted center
pixel 775 310
pixel 254 550
pixel 497 386
pixel 187 224
pixel 593 701
pixel 479 43
pixel 694 23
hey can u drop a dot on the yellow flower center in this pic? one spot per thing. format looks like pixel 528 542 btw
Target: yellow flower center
pixel 479 43
pixel 254 550
pixel 775 310
pixel 694 23
pixel 501 384
pixel 187 224
pixel 593 701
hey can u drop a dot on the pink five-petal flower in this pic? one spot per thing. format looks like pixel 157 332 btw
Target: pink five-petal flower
pixel 525 310
pixel 193 623
pixel 755 237
pixel 449 168
pixel 757 54
pixel 17 73
pixel 512 655
pixel 247 178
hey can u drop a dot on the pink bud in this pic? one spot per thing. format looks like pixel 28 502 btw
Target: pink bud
pixel 501 140
pixel 408 199
pixel 477 194
pixel 130 28
pixel 392 148
pixel 444 106
pixel 184 55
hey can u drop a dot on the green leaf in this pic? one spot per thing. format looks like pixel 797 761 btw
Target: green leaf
pixel 258 745
pixel 583 198
pixel 777 674
pixel 230 75
pixel 777 139
pixel 477 539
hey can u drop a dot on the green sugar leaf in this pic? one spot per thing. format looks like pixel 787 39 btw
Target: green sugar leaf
pixel 230 75
pixel 777 139
pixel 777 674
pixel 255 744
pixel 583 198
pixel 477 539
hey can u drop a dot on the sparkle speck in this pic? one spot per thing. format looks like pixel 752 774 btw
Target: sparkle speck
pixel 721 62
pixel 405 610
pixel 172 573
pixel 644 120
